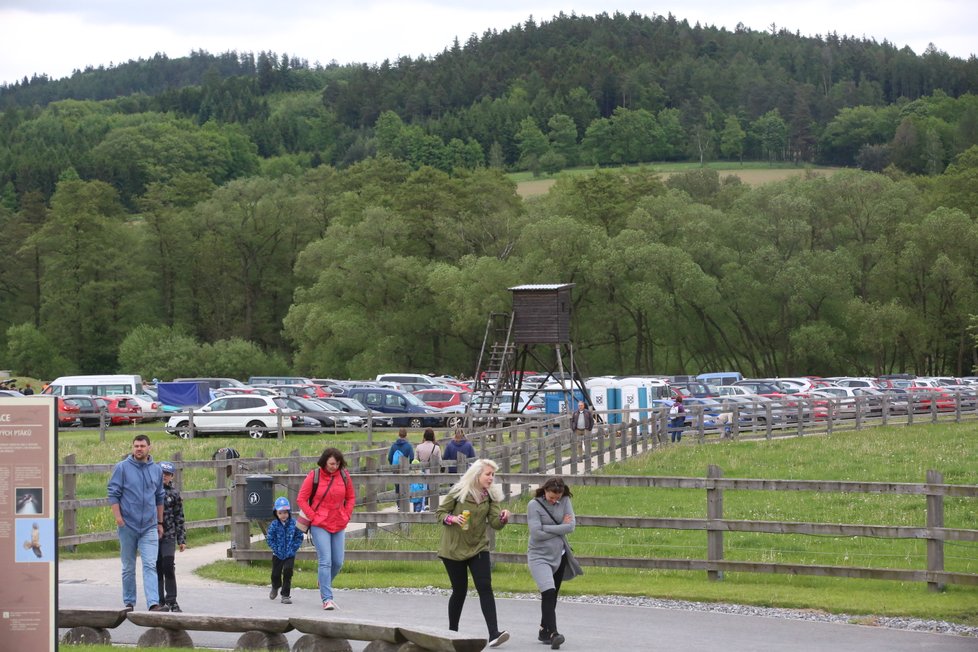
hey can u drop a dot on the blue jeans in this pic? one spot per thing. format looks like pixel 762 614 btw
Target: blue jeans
pixel 676 426
pixel 147 542
pixel 329 551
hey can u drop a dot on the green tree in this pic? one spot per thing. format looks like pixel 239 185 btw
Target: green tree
pixel 772 134
pixel 31 353
pixel 533 145
pixel 732 139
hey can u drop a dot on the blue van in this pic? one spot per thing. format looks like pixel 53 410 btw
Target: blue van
pixel 392 401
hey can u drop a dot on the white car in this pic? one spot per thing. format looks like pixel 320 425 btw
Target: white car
pixel 255 414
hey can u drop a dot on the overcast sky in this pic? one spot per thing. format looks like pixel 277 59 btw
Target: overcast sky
pixel 55 37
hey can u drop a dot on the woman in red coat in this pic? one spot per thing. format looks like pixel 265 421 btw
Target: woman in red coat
pixel 327 499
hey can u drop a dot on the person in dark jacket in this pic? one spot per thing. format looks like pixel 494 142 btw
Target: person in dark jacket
pixel 284 538
pixel 401 444
pixel 174 536
pixel 136 496
pixel 459 444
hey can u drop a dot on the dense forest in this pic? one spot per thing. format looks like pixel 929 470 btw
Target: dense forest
pixel 234 214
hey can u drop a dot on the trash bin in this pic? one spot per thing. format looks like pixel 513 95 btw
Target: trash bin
pixel 259 499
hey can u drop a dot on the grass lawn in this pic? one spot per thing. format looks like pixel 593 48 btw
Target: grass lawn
pixel 893 454
pixel 753 173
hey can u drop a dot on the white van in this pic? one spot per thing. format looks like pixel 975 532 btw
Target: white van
pixel 413 379
pixel 99 385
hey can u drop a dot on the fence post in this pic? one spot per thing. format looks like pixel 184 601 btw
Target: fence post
pixel 588 440
pixel 935 519
pixel 241 525
pixel 370 499
pixel 505 468
pixel 69 491
pixel 714 512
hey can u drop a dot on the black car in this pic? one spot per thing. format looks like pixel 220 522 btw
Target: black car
pixel 90 411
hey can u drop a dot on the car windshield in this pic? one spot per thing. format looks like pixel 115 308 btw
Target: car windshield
pixel 414 400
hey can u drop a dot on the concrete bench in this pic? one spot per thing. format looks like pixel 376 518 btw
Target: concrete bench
pixel 90 626
pixel 333 634
pixel 170 629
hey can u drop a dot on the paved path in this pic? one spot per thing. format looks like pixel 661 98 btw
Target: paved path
pixel 95 583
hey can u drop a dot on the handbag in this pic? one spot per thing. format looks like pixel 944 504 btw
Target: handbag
pixel 573 567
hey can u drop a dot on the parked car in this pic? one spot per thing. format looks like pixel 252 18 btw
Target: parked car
pixel 149 406
pixel 922 397
pixel 325 416
pixel 90 411
pixel 354 409
pixel 300 390
pixel 254 414
pixel 443 398
pixel 121 411
pixel 416 413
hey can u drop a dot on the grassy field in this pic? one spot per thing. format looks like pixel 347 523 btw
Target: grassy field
pixel 752 173
pixel 897 454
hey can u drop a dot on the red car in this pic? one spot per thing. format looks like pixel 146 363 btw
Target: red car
pixel 921 398
pixel 121 411
pixel 311 390
pixel 443 398
pixel 68 413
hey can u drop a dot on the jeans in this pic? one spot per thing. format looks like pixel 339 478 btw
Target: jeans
pixel 676 426
pixel 458 575
pixel 329 550
pixel 147 542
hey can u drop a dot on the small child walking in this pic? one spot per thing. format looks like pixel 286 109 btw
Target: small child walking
pixel 174 536
pixel 284 538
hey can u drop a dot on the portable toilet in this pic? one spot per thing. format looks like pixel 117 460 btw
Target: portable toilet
pixel 556 403
pixel 605 396
pixel 636 396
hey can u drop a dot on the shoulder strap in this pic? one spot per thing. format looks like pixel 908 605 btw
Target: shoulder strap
pixel 549 513
pixel 315 485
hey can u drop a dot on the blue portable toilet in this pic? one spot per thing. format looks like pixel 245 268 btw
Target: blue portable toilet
pixel 556 404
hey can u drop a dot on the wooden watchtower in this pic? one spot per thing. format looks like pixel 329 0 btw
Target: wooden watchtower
pixel 540 319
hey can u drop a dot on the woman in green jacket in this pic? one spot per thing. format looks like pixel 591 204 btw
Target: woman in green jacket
pixel 470 506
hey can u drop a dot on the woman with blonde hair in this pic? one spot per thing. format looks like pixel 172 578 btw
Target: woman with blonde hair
pixel 472 506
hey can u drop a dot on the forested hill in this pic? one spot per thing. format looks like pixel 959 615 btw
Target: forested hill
pixel 632 61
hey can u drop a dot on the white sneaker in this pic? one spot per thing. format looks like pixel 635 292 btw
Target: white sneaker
pixel 499 640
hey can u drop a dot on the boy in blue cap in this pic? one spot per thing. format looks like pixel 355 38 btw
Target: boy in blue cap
pixel 174 536
pixel 284 538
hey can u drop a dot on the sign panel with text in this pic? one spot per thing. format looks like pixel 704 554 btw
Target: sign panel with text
pixel 28 523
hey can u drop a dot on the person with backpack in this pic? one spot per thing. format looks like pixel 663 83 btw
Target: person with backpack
pixel 677 420
pixel 458 445
pixel 174 537
pixel 284 538
pixel 327 498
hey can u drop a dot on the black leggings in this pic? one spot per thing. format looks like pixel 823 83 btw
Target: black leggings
pixel 548 604
pixel 282 574
pixel 458 574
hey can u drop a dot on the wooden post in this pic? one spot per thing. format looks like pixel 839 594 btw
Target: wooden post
pixel 542 455
pixel 505 468
pixel 525 461
pixel 370 498
pixel 714 512
pixel 768 426
pixel 69 489
pixel 935 519
pixel 588 441
pixel 241 526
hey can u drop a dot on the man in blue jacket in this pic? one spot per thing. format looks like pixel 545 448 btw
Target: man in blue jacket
pixel 136 498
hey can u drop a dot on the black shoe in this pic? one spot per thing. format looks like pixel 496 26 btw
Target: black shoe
pixel 556 641
pixel 544 636
pixel 158 607
pixel 175 608
pixel 128 607
pixel 273 593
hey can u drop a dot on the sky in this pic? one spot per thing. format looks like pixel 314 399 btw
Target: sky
pixel 56 37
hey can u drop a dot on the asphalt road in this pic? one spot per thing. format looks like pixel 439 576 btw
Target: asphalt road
pixel 95 583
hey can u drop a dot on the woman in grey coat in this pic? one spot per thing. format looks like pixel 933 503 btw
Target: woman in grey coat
pixel 550 518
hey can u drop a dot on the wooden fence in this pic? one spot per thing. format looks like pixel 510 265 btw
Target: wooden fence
pixel 536 449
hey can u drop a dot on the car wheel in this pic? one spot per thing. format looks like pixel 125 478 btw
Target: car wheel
pixel 454 422
pixel 183 430
pixel 415 422
pixel 256 430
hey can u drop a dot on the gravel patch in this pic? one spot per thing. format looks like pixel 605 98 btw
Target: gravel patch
pixel 892 622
